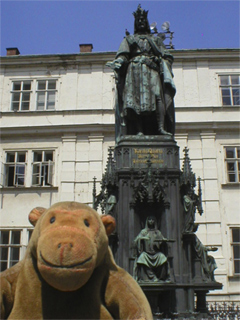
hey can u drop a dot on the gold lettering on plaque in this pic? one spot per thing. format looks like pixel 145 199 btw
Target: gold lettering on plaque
pixel 142 155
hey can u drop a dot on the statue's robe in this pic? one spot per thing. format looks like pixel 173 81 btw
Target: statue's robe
pixel 147 76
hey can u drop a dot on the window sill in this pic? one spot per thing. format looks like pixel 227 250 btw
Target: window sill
pixel 30 189
pixel 236 277
pixel 234 185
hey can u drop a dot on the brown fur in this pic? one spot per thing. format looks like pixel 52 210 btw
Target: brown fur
pixel 69 272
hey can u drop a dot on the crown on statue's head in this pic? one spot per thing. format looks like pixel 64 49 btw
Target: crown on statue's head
pixel 140 12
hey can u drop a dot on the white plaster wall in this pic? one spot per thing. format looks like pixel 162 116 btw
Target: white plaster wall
pixel 85 97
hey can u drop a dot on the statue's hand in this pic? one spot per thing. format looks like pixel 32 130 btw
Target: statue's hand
pixel 158 240
pixel 115 64
pixel 212 248
pixel 145 238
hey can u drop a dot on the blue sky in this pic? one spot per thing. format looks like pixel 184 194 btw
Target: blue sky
pixel 52 27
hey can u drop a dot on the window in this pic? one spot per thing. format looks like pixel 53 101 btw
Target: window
pixel 15 169
pixel 230 89
pixel 39 162
pixel 236 249
pixel 13 245
pixel 21 91
pixel 9 248
pixel 42 168
pixel 46 91
pixel 232 159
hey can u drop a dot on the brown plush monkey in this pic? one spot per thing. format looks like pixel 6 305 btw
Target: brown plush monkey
pixel 69 272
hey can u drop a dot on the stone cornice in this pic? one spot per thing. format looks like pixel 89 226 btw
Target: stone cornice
pixel 94 128
pixel 103 57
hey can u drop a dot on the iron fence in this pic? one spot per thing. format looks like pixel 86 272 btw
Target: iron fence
pixel 224 310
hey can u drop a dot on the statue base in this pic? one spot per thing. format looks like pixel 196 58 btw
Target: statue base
pixel 145 180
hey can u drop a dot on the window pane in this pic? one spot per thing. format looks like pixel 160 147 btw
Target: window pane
pixel 236 251
pixel 21 157
pixel 236 96
pixel 226 101
pixel 231 177
pixel 236 100
pixel 15 106
pixel 25 106
pixel 238 153
pixel 26 85
pixel 40 106
pixel 231 166
pixel 3 258
pixel 14 255
pixel 49 156
pixel 230 153
pixel 10 157
pixel 36 174
pixel 236 234
pixel 4 253
pixel 36 168
pixel 237 266
pixel 37 156
pixel 40 100
pixel 51 100
pixel 52 85
pixel 16 86
pixel 224 80
pixel 20 170
pixel 50 106
pixel 235 79
pixel 41 97
pixel 4 237
pixel 41 85
pixel 29 234
pixel 16 97
pixel 15 237
pixel 10 176
pixel 3 266
pixel 51 96
pixel 226 91
pixel 26 96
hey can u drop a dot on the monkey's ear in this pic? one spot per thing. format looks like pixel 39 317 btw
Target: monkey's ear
pixel 35 214
pixel 109 223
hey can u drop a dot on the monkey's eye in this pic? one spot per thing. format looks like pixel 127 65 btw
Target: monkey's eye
pixel 52 219
pixel 87 224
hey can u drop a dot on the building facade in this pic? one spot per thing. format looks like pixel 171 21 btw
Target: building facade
pixel 57 123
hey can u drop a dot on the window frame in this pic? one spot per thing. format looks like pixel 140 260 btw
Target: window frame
pixel 15 165
pixel 46 92
pixel 21 93
pixel 11 175
pixel 32 106
pixel 229 86
pixel 10 248
pixel 24 238
pixel 236 161
pixel 234 243
pixel 45 172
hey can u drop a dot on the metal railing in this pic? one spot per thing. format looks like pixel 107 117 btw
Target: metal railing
pixel 227 310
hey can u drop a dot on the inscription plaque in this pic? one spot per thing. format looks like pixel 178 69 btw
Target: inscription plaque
pixel 140 156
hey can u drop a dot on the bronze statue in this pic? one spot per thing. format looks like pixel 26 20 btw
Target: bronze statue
pixel 145 87
pixel 151 263
pixel 190 201
pixel 207 262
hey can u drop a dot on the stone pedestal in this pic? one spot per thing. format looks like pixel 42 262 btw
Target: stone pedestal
pixel 143 179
